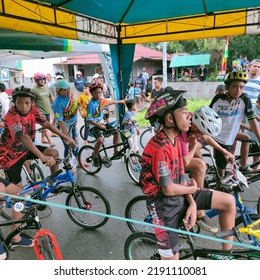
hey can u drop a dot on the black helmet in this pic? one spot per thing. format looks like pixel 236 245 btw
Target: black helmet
pixel 162 103
pixel 23 92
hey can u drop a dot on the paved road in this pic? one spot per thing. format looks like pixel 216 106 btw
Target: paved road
pixel 105 243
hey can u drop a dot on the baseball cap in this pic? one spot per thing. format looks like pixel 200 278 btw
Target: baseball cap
pixel 96 76
pixel 62 84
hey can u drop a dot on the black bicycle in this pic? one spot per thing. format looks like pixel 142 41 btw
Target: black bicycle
pixel 133 160
pixel 143 246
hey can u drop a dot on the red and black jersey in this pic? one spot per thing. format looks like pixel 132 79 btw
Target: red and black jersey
pixel 162 164
pixel 15 126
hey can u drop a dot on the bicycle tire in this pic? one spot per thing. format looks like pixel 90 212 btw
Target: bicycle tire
pixel 141 246
pixel 90 138
pixel 91 200
pixel 239 222
pixel 45 248
pixel 145 136
pixel 37 173
pixel 133 166
pixel 86 154
pixel 136 209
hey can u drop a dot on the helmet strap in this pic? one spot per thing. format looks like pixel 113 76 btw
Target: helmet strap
pixel 175 126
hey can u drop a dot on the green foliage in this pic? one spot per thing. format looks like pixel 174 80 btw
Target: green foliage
pixel 193 104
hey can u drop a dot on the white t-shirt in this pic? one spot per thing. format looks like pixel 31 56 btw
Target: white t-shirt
pixel 4 104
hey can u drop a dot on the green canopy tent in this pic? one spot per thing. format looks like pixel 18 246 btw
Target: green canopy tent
pixel 189 60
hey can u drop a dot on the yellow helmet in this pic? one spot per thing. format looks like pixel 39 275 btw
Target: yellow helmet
pixel 235 76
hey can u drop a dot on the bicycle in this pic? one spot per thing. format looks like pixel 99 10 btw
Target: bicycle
pixel 86 198
pixel 90 137
pixel 146 135
pixel 133 160
pixel 143 246
pixel 45 243
pixel 212 176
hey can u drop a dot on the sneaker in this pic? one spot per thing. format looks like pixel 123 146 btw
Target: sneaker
pixel 3 255
pixel 96 162
pixel 245 170
pixel 206 223
pixel 24 242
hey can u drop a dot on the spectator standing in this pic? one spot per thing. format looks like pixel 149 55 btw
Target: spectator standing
pixel 141 81
pixel 4 103
pixel 202 73
pixel 137 93
pixel 158 89
pixel 50 83
pixel 42 101
pixel 252 87
pixel 146 77
pixel 131 92
pixel 236 64
pixel 244 63
pixel 79 82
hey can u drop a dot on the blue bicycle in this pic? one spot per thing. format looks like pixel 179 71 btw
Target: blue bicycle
pixel 81 197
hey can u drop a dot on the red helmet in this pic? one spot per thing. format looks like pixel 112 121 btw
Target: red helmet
pixel 94 86
pixel 39 76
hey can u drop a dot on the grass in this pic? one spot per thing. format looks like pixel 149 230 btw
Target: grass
pixel 193 104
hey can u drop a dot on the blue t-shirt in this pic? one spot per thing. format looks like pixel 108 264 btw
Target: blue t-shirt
pixel 129 117
pixel 131 93
pixel 79 84
pixel 65 109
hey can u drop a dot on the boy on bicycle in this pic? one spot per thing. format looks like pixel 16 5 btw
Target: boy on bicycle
pixel 19 134
pixel 232 108
pixel 171 200
pixel 95 117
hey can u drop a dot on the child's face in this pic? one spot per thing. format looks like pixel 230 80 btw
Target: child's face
pixel 86 90
pixel 137 85
pixel 236 88
pixel 257 103
pixel 64 92
pixel 97 93
pixel 134 107
pixel 23 105
pixel 182 118
pixel 157 84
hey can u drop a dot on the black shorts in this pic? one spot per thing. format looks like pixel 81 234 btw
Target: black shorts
pixel 4 181
pixel 96 132
pixel 169 211
pixel 13 174
pixel 221 161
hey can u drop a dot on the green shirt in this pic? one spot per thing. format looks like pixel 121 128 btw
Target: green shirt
pixel 42 99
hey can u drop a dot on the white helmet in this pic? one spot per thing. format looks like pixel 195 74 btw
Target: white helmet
pixel 78 73
pixel 207 121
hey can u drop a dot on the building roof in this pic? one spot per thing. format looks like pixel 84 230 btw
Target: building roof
pixel 141 52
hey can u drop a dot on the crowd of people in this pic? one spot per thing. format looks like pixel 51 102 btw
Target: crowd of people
pixel 173 150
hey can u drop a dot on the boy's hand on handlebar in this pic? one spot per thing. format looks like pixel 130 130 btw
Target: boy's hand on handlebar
pixel 48 160
pixel 71 142
pixel 229 157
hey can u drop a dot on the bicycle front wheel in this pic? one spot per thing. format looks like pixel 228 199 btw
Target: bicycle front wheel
pixel 133 166
pixel 44 248
pixel 89 199
pixel 145 136
pixel 86 154
pixel 86 136
pixel 136 209
pixel 141 246
pixel 37 173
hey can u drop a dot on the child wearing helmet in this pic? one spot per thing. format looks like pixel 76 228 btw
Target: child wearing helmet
pixel 65 112
pixel 170 199
pixel 232 108
pixel 19 134
pixel 95 116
